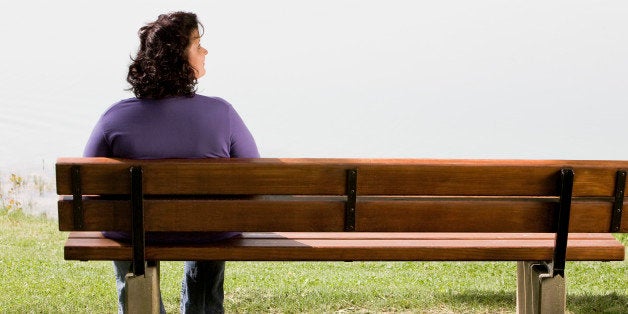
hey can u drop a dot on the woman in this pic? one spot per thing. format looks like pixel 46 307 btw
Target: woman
pixel 167 119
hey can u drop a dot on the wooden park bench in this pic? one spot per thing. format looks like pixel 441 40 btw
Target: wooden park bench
pixel 539 213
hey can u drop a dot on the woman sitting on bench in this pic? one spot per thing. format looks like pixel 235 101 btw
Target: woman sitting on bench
pixel 167 119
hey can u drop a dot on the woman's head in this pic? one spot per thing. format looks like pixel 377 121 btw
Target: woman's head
pixel 170 58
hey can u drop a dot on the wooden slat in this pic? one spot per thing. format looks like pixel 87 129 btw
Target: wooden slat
pixel 244 215
pixel 425 235
pixel 303 214
pixel 327 176
pixel 98 214
pixel 247 179
pixel 454 216
pixel 358 246
pixel 591 217
pixel 479 216
pixel 207 177
pixel 87 246
pixel 482 179
pixel 388 236
pixel 511 177
pixel 456 180
pixel 104 176
pixel 208 215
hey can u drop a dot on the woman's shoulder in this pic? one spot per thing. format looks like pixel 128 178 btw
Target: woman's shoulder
pixel 194 103
pixel 121 105
pixel 212 100
pixel 213 104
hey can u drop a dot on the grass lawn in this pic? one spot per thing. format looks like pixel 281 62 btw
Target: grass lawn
pixel 35 278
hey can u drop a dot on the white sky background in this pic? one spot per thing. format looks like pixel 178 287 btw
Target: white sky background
pixel 542 79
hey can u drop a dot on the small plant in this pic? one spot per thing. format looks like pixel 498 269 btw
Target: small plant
pixel 17 181
pixel 25 194
pixel 40 184
pixel 10 198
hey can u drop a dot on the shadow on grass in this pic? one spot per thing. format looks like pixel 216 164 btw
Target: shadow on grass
pixel 598 303
pixel 479 300
pixel 506 301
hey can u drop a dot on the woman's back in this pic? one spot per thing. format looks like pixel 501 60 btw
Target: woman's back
pixel 174 127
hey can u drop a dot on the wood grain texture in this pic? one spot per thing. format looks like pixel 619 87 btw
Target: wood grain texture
pixel 358 246
pixel 245 215
pixel 303 214
pixel 327 176
pixel 98 214
pixel 405 201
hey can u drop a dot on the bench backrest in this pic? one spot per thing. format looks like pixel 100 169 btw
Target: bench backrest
pixel 331 195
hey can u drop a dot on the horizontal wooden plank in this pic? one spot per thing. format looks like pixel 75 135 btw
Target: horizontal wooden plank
pixel 457 180
pixel 358 246
pixel 479 216
pixel 310 214
pixel 421 235
pixel 454 216
pixel 482 179
pixel 112 215
pixel 208 215
pixel 390 235
pixel 87 246
pixel 327 176
pixel 591 217
pixel 99 176
pixel 245 215
pixel 207 177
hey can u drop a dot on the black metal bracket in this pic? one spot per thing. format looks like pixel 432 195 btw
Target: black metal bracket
pixel 137 234
pixel 618 204
pixel 77 198
pixel 350 208
pixel 557 266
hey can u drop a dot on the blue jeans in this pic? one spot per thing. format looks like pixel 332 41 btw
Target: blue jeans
pixel 201 289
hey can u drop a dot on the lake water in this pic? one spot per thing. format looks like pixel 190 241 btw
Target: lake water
pixel 453 79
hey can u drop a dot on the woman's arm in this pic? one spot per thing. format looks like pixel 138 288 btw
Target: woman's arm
pixel 242 142
pixel 97 145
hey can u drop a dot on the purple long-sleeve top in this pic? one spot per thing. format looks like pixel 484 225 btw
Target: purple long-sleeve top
pixel 177 127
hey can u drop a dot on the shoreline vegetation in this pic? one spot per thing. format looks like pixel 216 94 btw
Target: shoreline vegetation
pixel 36 279
pixel 33 194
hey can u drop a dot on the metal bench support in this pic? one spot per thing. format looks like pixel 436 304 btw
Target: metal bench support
pixel 77 198
pixel 350 207
pixel 137 236
pixel 620 185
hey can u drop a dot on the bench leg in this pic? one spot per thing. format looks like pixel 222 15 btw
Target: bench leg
pixel 142 292
pixel 537 291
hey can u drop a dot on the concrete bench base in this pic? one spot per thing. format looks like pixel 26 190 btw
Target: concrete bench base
pixel 538 291
pixel 142 292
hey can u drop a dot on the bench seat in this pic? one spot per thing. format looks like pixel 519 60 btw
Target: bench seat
pixel 328 246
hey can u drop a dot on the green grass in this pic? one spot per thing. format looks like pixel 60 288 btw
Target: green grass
pixel 36 279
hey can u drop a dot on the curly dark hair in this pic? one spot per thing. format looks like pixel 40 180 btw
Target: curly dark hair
pixel 161 68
